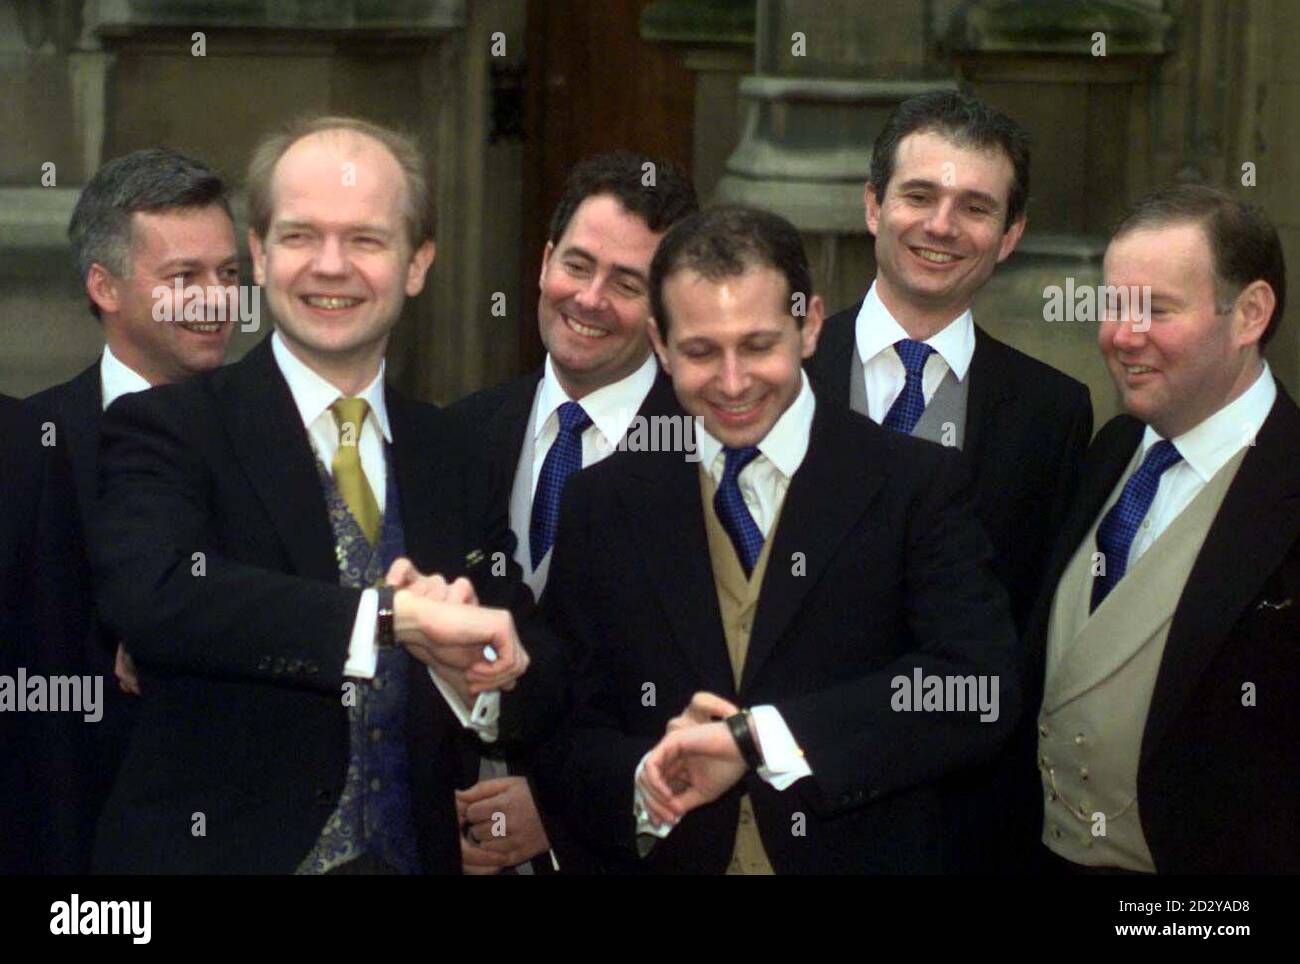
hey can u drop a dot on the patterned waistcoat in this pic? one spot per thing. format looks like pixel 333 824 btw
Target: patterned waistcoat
pixel 374 813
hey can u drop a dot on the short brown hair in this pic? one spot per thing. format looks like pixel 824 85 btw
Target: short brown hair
pixel 1244 246
pixel 420 213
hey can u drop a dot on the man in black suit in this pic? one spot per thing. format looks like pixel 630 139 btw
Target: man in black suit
pixel 946 202
pixel 144 222
pixel 44 617
pixel 599 377
pixel 812 569
pixel 291 717
pixel 1169 717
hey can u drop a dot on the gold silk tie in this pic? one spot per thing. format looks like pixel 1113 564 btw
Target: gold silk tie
pixel 349 476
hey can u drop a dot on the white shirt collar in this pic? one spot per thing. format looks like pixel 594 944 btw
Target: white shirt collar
pixel 313 395
pixel 785 445
pixel 116 379
pixel 877 330
pixel 1209 446
pixel 611 407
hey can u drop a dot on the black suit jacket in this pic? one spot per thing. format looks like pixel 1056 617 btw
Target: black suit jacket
pixel 45 614
pixel 878 566
pixel 1027 427
pixel 493 423
pixel 242 718
pixel 77 406
pixel 1218 781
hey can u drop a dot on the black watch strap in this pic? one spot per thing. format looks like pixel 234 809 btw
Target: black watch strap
pixel 384 633
pixel 742 732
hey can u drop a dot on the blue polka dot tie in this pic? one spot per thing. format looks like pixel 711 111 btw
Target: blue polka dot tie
pixel 732 512
pixel 1116 531
pixel 564 458
pixel 910 404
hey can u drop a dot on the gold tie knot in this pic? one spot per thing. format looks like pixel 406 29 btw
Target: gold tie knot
pixel 350 415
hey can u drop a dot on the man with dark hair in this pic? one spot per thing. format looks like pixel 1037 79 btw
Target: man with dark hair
pixel 946 200
pixel 783 598
pixel 1167 648
pixel 598 378
pixel 300 709
pixel 144 222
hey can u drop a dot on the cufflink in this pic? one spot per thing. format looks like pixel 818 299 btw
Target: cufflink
pixel 1268 604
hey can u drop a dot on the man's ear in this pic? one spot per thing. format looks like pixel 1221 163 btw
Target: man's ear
pixel 101 288
pixel 419 268
pixel 657 343
pixel 546 260
pixel 1011 237
pixel 812 326
pixel 1252 312
pixel 257 252
pixel 871 203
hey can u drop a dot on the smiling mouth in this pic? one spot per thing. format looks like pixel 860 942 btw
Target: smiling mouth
pixel 331 302
pixel 1139 369
pixel 587 331
pixel 202 328
pixel 935 257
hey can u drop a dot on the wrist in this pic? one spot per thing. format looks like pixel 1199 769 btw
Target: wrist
pixel 741 726
pixel 407 608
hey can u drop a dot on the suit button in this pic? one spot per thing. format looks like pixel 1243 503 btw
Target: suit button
pixel 1079 739
pixel 295 666
pixel 277 665
pixel 312 668
pixel 376 735
pixel 377 683
pixel 1051 796
pixel 1083 773
pixel 375 784
pixel 1056 833
pixel 1042 729
pixel 264 664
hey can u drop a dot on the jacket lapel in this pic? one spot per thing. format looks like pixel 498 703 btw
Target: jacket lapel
pixel 271 443
pixel 661 503
pixel 428 480
pixel 1257 524
pixel 813 524
pixel 831 367
pixel 990 387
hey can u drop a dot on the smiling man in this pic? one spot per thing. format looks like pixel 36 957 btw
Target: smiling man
pixel 297 714
pixel 144 223
pixel 1168 720
pixel 783 582
pixel 946 200
pixel 592 310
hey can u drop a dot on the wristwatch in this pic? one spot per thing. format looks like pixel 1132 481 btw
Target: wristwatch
pixel 384 634
pixel 742 732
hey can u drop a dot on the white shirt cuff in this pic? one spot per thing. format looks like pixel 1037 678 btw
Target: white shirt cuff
pixel 482 719
pixel 783 761
pixel 644 825
pixel 362 653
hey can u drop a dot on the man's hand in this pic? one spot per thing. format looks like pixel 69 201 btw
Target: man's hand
pixel 483 851
pixel 703 708
pixel 691 766
pixel 403 575
pixel 474 648
pixel 128 680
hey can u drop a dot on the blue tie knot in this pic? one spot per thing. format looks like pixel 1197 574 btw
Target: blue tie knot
pixel 737 459
pixel 1163 455
pixel 914 355
pixel 573 418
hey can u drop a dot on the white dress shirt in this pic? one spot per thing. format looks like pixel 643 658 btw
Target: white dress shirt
pixel 611 409
pixel 1205 448
pixel 763 484
pixel 876 331
pixel 313 396
pixel 116 379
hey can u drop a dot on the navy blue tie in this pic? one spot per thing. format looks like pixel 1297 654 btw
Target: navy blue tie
pixel 564 458
pixel 732 512
pixel 910 404
pixel 1116 531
